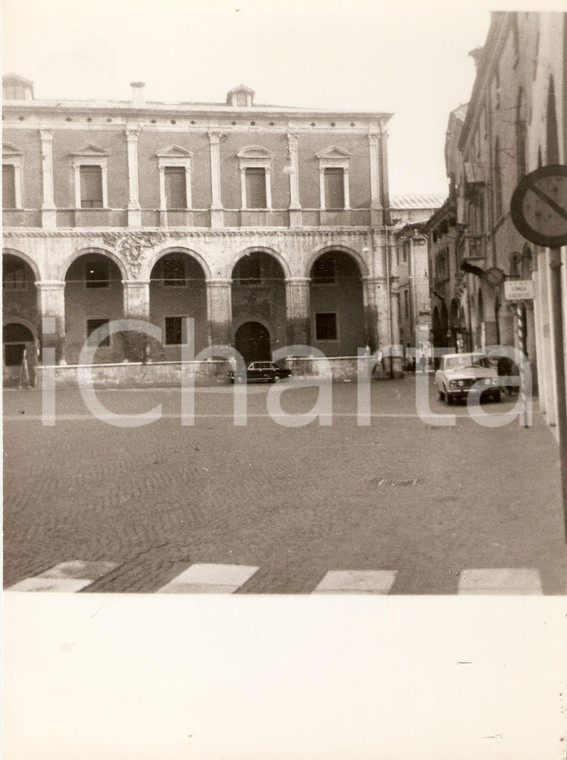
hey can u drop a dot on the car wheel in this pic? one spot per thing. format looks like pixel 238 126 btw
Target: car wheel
pixel 441 396
pixel 448 399
pixel 277 378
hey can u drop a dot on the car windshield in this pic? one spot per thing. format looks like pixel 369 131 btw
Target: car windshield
pixel 463 361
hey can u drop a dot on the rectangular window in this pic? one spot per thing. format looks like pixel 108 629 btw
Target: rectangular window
pixel 92 325
pixel 174 331
pixel 173 271
pixel 91 186
pixel 324 271
pixel 97 274
pixel 250 270
pixel 256 188
pixel 326 326
pixel 13 354
pixel 334 188
pixel 8 186
pixel 175 187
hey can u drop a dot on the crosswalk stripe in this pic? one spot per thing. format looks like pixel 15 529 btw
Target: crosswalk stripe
pixel 209 579
pixel 356 582
pixel 66 577
pixel 512 581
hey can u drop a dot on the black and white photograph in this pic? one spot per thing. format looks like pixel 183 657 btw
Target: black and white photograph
pixel 284 303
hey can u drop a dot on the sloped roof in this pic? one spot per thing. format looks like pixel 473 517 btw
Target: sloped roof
pixel 429 200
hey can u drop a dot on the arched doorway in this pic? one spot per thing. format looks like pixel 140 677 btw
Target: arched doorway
pixel 252 340
pixel 19 354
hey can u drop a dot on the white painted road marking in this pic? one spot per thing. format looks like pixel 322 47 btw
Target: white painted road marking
pixel 356 582
pixel 209 579
pixel 512 581
pixel 67 577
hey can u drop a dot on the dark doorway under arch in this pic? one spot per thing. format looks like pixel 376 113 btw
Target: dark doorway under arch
pixel 252 340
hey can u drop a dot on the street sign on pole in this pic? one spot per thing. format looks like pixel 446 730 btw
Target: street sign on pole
pixel 539 206
pixel 519 290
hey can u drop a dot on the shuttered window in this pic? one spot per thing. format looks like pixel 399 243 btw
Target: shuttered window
pixel 174 331
pixel 91 186
pixel 175 187
pixel 8 186
pixel 256 188
pixel 334 188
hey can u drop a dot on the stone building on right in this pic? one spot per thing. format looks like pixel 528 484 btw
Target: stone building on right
pixel 514 123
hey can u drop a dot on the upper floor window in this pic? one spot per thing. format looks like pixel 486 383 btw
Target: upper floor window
pixel 256 196
pixel 8 186
pixel 11 177
pixel 334 178
pixel 256 178
pixel 97 273
pixel 175 187
pixel 324 270
pixel 498 206
pixel 91 186
pixel 334 188
pixel 90 172
pixel 175 177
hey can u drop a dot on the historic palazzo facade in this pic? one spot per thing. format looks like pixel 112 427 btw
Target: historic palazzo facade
pixel 269 226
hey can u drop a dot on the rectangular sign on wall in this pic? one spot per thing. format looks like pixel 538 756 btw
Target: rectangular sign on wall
pixel 519 290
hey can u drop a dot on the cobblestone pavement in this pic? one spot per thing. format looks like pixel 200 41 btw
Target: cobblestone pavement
pixel 424 505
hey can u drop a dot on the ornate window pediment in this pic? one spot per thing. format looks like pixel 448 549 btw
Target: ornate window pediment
pixel 255 153
pixel 9 151
pixel 174 151
pixel 91 151
pixel 333 154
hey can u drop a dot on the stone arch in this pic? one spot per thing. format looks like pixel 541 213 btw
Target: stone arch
pixel 362 265
pixel 27 259
pixel 258 291
pixel 64 268
pixel 286 272
pixel 31 326
pixel 253 339
pixel 161 252
pixel 93 295
pixel 339 321
pixel 177 290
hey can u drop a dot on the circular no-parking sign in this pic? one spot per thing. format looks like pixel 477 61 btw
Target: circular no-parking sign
pixel 539 206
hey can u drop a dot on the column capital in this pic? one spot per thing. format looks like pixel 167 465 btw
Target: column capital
pixel 46 135
pixel 371 280
pixel 132 133
pixel 374 138
pixel 297 280
pixel 214 136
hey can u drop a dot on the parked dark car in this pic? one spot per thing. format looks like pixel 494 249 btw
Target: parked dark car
pixel 262 372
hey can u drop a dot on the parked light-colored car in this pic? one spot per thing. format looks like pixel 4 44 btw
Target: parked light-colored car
pixel 461 374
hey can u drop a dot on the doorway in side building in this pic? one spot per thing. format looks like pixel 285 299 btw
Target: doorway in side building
pixel 252 340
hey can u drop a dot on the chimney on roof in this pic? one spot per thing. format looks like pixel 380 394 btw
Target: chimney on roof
pixel 138 93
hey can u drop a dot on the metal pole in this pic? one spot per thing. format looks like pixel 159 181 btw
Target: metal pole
pixel 558 347
pixel 522 348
